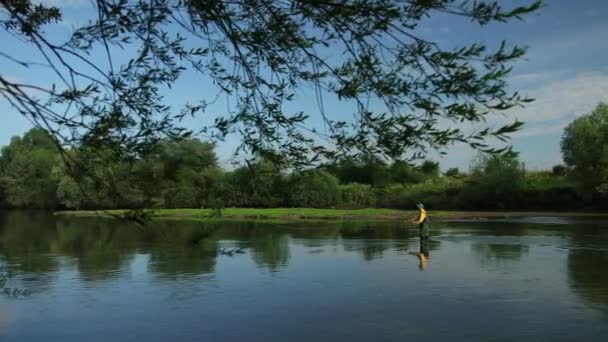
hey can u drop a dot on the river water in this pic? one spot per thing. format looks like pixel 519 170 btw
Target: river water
pixel 89 279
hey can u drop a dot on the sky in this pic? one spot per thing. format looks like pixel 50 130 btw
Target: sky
pixel 565 71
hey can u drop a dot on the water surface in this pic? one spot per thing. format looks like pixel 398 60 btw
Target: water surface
pixel 102 280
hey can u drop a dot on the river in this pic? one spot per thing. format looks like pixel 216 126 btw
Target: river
pixel 93 279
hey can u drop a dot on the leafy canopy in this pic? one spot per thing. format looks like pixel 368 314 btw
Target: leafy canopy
pixel 367 53
pixel 585 149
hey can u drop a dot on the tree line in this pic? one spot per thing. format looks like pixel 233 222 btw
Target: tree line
pixel 184 173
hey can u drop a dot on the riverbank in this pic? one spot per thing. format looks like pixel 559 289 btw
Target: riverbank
pixel 322 214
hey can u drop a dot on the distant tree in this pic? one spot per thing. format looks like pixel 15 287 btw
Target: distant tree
pixel 559 170
pixel 175 173
pixel 314 189
pixel 430 168
pixel 495 182
pixel 172 156
pixel 404 172
pixel 98 178
pixel 356 195
pixel 585 150
pixel 25 171
pixel 452 172
pixel 260 184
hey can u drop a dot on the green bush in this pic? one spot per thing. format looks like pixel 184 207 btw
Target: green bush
pixel 549 190
pixel 388 197
pixel 355 195
pixel 314 189
pixel 439 193
pixel 181 197
pixel 259 185
pixel 496 183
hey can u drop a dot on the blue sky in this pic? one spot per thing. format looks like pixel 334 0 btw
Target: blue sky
pixel 566 71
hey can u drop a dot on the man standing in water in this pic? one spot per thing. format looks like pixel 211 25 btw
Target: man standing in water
pixel 421 219
pixel 423 253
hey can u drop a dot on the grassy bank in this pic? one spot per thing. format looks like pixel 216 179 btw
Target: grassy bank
pixel 321 214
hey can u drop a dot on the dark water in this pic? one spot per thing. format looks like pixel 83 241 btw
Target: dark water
pixel 100 280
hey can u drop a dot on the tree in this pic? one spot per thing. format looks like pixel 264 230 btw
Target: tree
pixel 260 184
pixel 453 172
pixel 173 174
pixel 364 169
pixel 356 195
pixel 403 172
pixel 496 182
pixel 261 53
pixel 585 149
pixel 314 189
pixel 559 170
pixel 430 168
pixel 25 171
pixel 177 173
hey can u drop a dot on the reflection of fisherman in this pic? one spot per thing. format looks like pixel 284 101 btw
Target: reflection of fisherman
pixel 423 253
pixel 421 219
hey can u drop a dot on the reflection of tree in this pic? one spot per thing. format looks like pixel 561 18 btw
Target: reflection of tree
pixel 315 235
pixel 270 250
pixel 497 228
pixel 100 246
pixel 587 260
pixel 25 251
pixel 182 248
pixel 174 261
pixel 24 241
pixel 268 242
pixel 373 230
pixel 498 252
pixel 372 239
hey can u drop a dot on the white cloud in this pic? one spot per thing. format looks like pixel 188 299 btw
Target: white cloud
pixel 557 103
pixel 565 99
pixel 532 79
pixel 542 129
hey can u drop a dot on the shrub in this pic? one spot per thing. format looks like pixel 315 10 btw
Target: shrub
pixel 496 182
pixel 355 195
pixel 314 189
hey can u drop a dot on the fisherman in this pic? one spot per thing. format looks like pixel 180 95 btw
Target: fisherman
pixel 421 219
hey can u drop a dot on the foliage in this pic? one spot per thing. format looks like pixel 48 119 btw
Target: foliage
pixel 559 170
pixel 495 182
pixel 183 174
pixel 313 189
pixel 453 172
pixel 434 193
pixel 585 150
pixel 403 172
pixel 100 179
pixel 549 190
pixel 260 184
pixel 366 169
pixel 25 171
pixel 430 168
pixel 261 53
pixel 355 195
